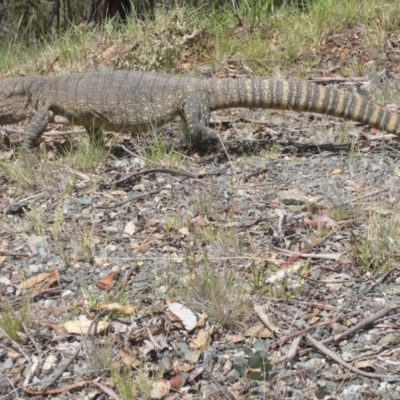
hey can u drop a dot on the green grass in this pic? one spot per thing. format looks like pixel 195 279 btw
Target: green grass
pixel 218 292
pixel 157 154
pixel 270 40
pixel 12 321
pixel 376 246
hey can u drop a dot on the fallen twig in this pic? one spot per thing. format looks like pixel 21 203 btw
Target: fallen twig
pixel 301 332
pixel 362 324
pixel 60 370
pixel 368 289
pixel 324 350
pixel 138 197
pixel 333 257
pixel 264 319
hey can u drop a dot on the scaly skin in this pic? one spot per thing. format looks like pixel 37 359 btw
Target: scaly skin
pixel 132 101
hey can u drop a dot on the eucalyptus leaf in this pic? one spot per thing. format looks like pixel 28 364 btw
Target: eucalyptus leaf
pixel 255 376
pixel 375 79
pixel 240 368
pixel 259 344
pixel 248 350
pixel 256 362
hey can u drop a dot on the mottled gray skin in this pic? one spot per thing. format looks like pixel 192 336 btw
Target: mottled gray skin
pixel 131 101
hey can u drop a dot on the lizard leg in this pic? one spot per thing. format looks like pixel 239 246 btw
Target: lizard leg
pixel 196 111
pixel 37 126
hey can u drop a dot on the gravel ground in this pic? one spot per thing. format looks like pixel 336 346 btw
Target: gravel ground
pixel 109 281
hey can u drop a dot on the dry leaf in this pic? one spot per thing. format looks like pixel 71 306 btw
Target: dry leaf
pixel 176 383
pixel 203 340
pixel 129 359
pixel 195 373
pixel 6 155
pixel 130 228
pixel 319 221
pixel 200 220
pixel 313 314
pixel 123 308
pixel 178 366
pixel 109 53
pixel 81 327
pixel 259 330
pixel 365 364
pixel 184 231
pixel 237 339
pixel 34 280
pixel 151 222
pixel 105 283
pixel 161 386
pixel 53 278
pixel 185 315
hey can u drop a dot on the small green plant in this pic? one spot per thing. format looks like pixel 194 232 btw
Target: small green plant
pixel 81 239
pixel 219 292
pixel 273 151
pixel 37 221
pixel 87 154
pixel 100 356
pixel 157 154
pixel 257 279
pixel 11 321
pixel 92 300
pixel 58 220
pixel 132 385
pixel 170 222
pixel 255 366
pixel 116 295
pixel 204 201
pixel 376 250
pixel 353 150
pixel 287 286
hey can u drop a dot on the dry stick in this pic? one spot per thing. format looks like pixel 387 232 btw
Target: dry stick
pixel 264 319
pixel 257 173
pixel 35 345
pixel 365 196
pixel 335 357
pixel 12 253
pixel 138 197
pixel 229 395
pixel 9 395
pixel 175 172
pixel 73 386
pixel 368 289
pixel 368 354
pixel 286 338
pixel 14 343
pixel 291 354
pixel 107 390
pixel 57 373
pixel 333 257
pixel 95 321
pixel 362 324
pixel 326 80
pixel 153 340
